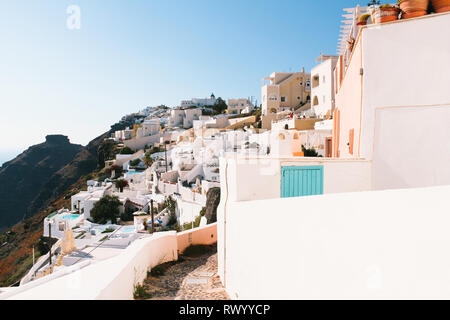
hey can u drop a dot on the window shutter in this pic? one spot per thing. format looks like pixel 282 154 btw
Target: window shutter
pixel 350 141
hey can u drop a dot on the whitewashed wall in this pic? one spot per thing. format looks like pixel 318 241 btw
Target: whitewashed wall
pixel 411 147
pixel 141 143
pixel 405 64
pixel 368 245
pixel 114 278
pixel 260 178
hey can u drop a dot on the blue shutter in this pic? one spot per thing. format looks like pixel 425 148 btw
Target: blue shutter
pixel 301 181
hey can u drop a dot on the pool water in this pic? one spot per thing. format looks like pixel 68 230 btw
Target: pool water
pixel 71 217
pixel 133 172
pixel 127 229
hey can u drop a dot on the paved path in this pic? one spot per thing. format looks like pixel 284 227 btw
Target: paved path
pixel 192 279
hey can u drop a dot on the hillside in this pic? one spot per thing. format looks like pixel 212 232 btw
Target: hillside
pixel 22 178
pixel 82 164
pixel 17 242
pixel 16 245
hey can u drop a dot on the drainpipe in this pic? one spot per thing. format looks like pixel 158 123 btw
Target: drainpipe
pixel 50 242
pixel 225 228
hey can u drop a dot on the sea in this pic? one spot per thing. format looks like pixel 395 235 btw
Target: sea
pixel 7 155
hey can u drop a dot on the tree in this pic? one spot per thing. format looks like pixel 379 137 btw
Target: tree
pixel 219 107
pixel 43 245
pixel 135 162
pixel 121 183
pixel 171 206
pixel 107 208
pixel 117 171
pixel 148 160
pixel 126 150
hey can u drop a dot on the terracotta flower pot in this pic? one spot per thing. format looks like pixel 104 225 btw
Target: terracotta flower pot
pixel 441 5
pixel 413 14
pixel 382 15
pixel 414 8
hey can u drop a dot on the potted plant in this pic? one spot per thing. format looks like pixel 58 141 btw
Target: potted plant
pixel 385 13
pixel 413 8
pixel 441 5
pixel 363 19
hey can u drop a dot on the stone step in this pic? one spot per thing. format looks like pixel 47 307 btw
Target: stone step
pixel 197 281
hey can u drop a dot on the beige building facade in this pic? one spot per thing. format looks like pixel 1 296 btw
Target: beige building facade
pixel 237 106
pixel 285 91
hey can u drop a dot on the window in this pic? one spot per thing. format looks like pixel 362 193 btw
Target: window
pixel 315 101
pixel 298 98
pixel 283 99
pixel 273 98
pixel 316 81
pixel 301 84
pixel 323 80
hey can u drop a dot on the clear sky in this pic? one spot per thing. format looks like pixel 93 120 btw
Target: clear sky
pixel 129 54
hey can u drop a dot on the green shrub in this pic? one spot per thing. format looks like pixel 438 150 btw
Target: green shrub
pixel 121 184
pixel 140 293
pixel 310 152
pixel 126 150
pixel 364 17
pixel 107 208
pixel 127 216
pixel 81 235
pixel 109 230
pixel 187 226
pixel 135 162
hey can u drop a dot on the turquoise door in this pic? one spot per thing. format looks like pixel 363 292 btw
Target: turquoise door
pixel 301 181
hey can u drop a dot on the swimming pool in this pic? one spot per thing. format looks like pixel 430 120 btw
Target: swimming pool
pixel 71 217
pixel 133 172
pixel 127 229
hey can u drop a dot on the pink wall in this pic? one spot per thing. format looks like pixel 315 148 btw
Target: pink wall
pixel 206 235
pixel 348 102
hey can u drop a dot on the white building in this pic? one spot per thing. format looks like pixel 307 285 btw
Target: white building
pixel 323 89
pixel 83 202
pixel 149 128
pixel 220 121
pixel 183 117
pixel 199 102
pixel 238 106
pixel 124 134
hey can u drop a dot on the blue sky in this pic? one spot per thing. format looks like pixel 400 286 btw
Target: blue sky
pixel 136 53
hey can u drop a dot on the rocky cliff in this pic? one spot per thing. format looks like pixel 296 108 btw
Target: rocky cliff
pixel 22 179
